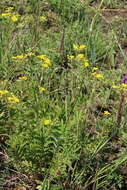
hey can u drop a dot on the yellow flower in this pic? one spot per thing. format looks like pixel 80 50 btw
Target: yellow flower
pixel 9 9
pixel 107 113
pixel 75 47
pixel 124 85
pixel 47 61
pixel 80 57
pixel 3 92
pixel 115 87
pixel 41 89
pixel 43 19
pixel 41 56
pixel 47 122
pixel 13 99
pixel 19 57
pixel 85 63
pixel 79 48
pixel 82 47
pixel 5 14
pixel 94 69
pixel 23 78
pixel 99 76
pixel 45 65
pixel 14 18
pixel 70 57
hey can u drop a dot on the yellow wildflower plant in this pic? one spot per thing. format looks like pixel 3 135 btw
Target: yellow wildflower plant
pixel 3 92
pixel 14 18
pixel 13 99
pixel 42 19
pixel 46 61
pixel 107 113
pixel 46 122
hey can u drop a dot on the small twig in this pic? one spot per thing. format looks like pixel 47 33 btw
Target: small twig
pixel 61 48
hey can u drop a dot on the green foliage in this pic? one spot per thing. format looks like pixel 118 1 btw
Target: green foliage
pixel 60 73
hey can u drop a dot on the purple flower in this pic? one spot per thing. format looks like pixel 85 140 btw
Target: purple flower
pixel 124 79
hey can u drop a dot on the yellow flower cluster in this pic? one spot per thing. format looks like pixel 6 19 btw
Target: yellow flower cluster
pixel 9 14
pixel 79 47
pixel 80 58
pixel 22 56
pixel 46 61
pixel 10 97
pixel 120 87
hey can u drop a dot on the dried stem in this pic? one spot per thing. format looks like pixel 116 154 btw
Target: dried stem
pixel 120 110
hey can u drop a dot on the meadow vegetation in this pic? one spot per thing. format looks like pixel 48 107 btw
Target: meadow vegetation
pixel 62 101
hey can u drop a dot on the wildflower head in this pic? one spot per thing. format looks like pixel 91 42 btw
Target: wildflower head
pixel 80 57
pixel 98 75
pixel 85 63
pixel 115 87
pixel 107 113
pixel 5 15
pixel 9 9
pixel 94 69
pixel 79 48
pixel 18 57
pixel 43 56
pixel 14 18
pixel 43 19
pixel 41 89
pixel 13 99
pixel 23 78
pixel 46 122
pixel 3 92
pixel 45 65
pixel 70 57
pixel 124 86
